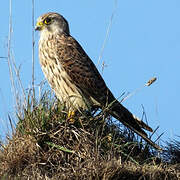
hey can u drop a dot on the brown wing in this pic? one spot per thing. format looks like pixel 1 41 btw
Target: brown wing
pixel 85 75
pixel 81 69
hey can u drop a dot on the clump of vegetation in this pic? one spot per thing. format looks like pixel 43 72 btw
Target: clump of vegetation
pixel 46 144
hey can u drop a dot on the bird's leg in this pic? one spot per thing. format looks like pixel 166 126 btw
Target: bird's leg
pixel 70 116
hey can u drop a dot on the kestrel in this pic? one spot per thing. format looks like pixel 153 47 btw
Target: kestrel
pixel 74 77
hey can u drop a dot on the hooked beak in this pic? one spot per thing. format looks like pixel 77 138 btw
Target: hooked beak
pixel 39 26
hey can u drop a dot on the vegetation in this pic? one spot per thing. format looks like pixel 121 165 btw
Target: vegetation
pixel 47 145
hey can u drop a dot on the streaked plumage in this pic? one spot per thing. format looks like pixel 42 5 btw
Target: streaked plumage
pixel 74 77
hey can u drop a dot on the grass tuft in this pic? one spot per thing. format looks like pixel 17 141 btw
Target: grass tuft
pixel 46 145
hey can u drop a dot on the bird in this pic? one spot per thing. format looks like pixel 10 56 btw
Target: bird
pixel 74 77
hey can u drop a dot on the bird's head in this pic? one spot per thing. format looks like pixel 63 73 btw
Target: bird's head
pixel 52 22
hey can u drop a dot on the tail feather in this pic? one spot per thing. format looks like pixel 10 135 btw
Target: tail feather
pixel 142 124
pixel 135 124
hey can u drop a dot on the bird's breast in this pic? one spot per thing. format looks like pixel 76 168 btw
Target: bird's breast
pixel 57 77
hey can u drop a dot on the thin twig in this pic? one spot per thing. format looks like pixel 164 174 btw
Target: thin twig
pixel 9 52
pixel 19 79
pixel 151 81
pixel 144 114
pixel 107 34
pixel 33 43
pixel 3 57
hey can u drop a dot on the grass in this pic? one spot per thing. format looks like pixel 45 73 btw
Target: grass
pixel 47 145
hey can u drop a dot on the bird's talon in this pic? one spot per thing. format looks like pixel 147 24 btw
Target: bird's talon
pixel 70 117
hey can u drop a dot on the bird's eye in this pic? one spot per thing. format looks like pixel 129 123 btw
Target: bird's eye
pixel 47 21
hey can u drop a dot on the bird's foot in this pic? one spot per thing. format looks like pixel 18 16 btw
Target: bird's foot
pixel 70 117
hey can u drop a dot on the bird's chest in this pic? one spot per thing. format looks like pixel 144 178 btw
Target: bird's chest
pixel 58 78
pixel 56 75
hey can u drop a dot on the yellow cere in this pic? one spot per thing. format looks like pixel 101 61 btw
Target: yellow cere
pixel 39 24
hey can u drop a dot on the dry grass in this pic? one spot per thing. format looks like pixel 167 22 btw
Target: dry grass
pixel 46 145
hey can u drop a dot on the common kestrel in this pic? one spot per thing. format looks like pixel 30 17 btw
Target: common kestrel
pixel 74 77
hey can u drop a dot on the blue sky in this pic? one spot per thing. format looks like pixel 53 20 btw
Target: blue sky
pixel 143 42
